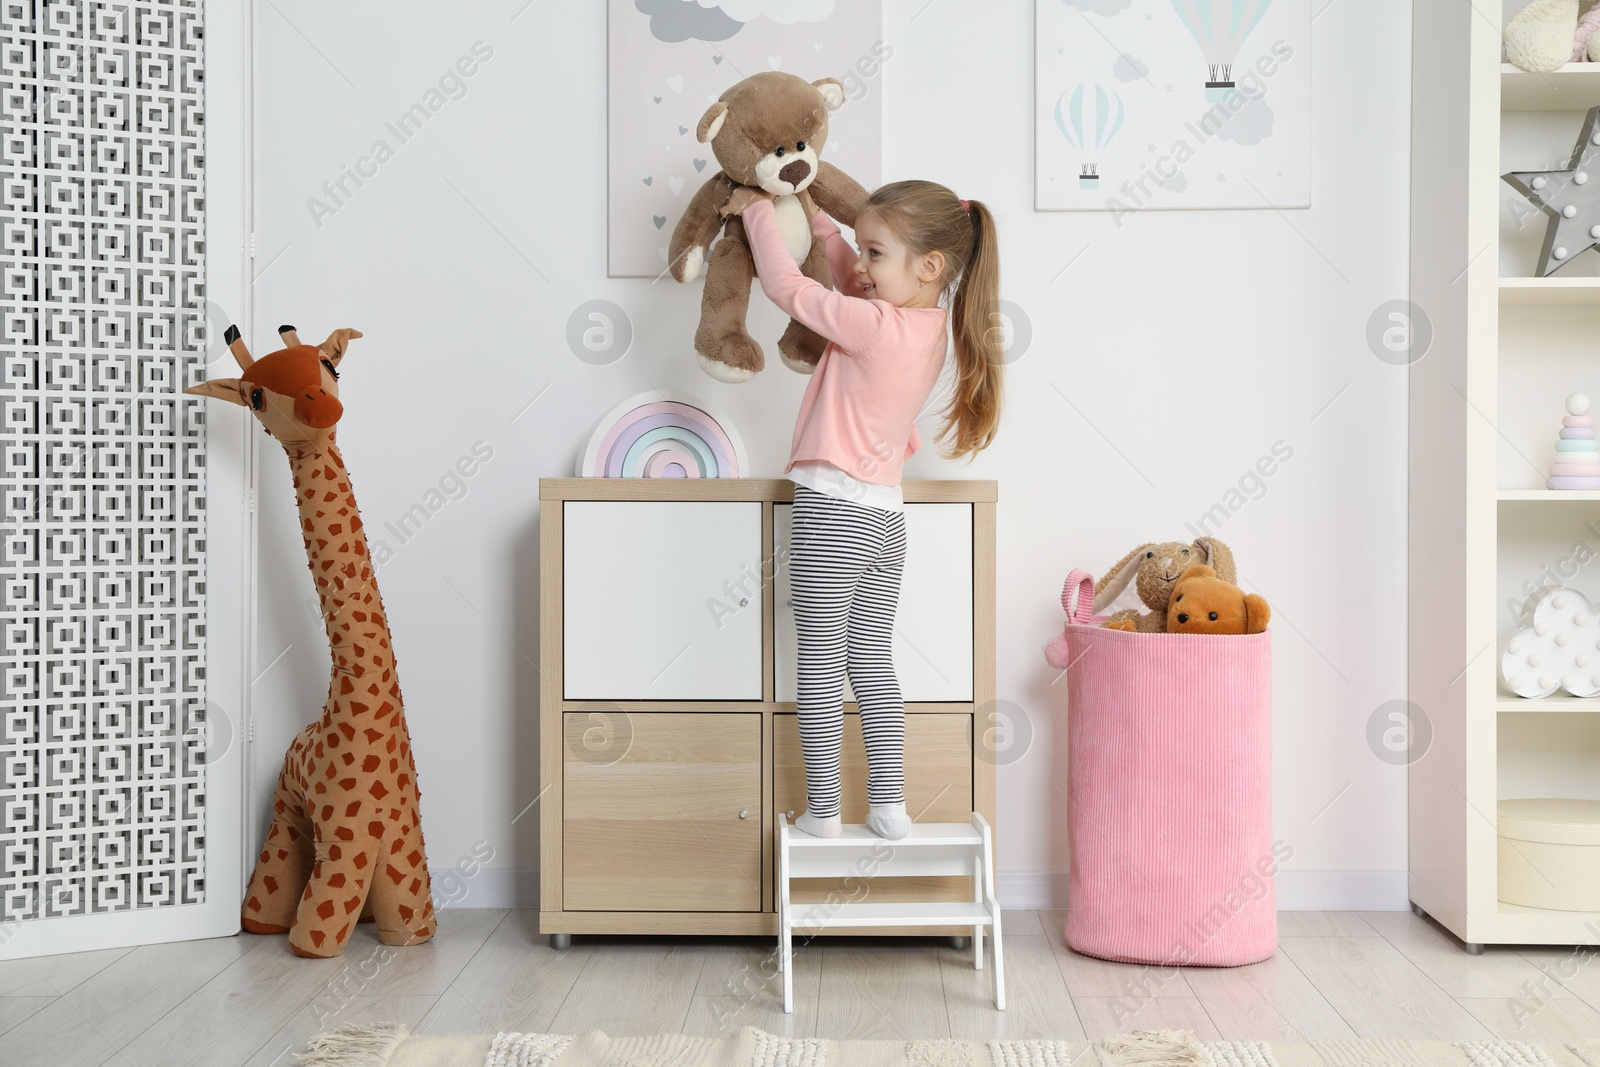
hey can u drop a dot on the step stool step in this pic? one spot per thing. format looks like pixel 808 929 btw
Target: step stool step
pixel 853 835
pixel 885 859
pixel 926 913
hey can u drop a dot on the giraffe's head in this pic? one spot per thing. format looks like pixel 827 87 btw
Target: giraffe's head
pixel 294 392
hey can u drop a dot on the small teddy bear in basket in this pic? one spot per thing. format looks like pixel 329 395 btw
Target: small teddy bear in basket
pixel 1203 603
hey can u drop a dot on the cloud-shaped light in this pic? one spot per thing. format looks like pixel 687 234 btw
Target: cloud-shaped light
pixel 1561 650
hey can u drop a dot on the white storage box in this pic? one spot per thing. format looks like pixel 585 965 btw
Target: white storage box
pixel 1550 854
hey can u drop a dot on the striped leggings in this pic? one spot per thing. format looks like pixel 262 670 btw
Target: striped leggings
pixel 845 565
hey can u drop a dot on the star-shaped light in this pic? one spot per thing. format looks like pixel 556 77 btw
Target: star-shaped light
pixel 1571 197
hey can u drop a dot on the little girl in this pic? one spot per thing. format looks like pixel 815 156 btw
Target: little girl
pixel 887 340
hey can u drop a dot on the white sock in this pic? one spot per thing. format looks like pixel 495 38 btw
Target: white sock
pixel 889 820
pixel 817 825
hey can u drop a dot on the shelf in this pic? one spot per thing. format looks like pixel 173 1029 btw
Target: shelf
pixel 1519 705
pixel 1545 495
pixel 1550 290
pixel 1574 87
pixel 1513 925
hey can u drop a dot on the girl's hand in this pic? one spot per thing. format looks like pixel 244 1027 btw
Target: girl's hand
pixel 806 202
pixel 742 198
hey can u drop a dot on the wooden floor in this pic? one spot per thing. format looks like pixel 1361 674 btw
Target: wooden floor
pixel 247 1000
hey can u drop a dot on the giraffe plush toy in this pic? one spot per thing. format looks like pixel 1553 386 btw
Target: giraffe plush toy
pixel 346 838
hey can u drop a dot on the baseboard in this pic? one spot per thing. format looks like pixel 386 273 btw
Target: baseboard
pixel 500 887
pixel 1343 891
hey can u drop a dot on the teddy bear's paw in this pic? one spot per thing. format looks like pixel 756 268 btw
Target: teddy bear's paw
pixel 801 348
pixel 1540 37
pixel 724 372
pixel 727 353
pixel 799 366
pixel 687 269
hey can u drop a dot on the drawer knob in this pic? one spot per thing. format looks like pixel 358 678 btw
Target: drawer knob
pixel 744 813
pixel 744 602
pixel 791 813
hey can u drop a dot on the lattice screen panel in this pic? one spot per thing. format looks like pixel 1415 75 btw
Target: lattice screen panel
pixel 102 547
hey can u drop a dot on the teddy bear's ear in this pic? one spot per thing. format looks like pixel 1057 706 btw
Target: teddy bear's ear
pixel 1116 580
pixel 1199 570
pixel 1256 614
pixel 712 121
pixel 832 92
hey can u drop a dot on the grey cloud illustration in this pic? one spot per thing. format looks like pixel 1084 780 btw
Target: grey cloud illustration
pixel 1252 125
pixel 684 20
pixel 1099 7
pixel 1128 69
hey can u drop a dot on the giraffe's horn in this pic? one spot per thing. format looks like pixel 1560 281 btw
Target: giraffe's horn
pixel 290 338
pixel 241 354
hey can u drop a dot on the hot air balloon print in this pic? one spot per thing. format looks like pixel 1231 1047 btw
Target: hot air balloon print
pixel 1220 27
pixel 1089 117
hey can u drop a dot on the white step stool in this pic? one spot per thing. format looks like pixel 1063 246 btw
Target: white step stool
pixel 930 849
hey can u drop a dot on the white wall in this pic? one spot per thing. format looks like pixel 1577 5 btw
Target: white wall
pixel 1165 361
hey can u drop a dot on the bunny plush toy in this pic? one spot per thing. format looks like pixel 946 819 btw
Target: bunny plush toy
pixel 1155 569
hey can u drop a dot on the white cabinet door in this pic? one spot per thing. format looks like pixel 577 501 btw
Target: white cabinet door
pixel 659 601
pixel 933 624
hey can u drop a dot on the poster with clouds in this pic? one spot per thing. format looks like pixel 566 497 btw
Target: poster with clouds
pixel 669 60
pixel 1160 104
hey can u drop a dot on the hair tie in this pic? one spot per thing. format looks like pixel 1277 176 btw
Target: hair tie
pixel 966 207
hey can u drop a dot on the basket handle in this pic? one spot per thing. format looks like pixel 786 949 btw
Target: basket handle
pixel 1083 582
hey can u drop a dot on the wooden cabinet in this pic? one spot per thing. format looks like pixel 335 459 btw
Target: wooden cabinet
pixel 933 625
pixel 664 816
pixel 667 732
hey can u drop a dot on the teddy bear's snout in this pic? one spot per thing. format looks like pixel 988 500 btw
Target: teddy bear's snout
pixel 795 173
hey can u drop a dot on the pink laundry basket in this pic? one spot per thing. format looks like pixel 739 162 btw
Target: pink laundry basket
pixel 1170 792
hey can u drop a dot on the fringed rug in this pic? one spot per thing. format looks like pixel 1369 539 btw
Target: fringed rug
pixel 392 1045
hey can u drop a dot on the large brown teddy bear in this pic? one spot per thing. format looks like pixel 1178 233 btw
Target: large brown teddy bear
pixel 767 132
pixel 1155 569
pixel 1202 603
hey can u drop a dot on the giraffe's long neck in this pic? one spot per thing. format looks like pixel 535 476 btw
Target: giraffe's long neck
pixel 341 569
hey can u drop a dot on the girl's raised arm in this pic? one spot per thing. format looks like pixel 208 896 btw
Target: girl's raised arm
pixel 841 257
pixel 850 322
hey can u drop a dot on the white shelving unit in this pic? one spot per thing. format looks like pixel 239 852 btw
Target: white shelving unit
pixel 1485 404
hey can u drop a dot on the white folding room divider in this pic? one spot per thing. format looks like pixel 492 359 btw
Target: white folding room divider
pixel 124 533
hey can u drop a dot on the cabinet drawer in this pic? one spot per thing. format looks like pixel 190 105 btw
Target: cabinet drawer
pixel 651 820
pixel 938 772
pixel 933 623
pixel 652 603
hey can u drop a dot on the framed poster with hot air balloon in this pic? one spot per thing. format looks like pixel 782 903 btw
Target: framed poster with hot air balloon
pixel 1161 104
